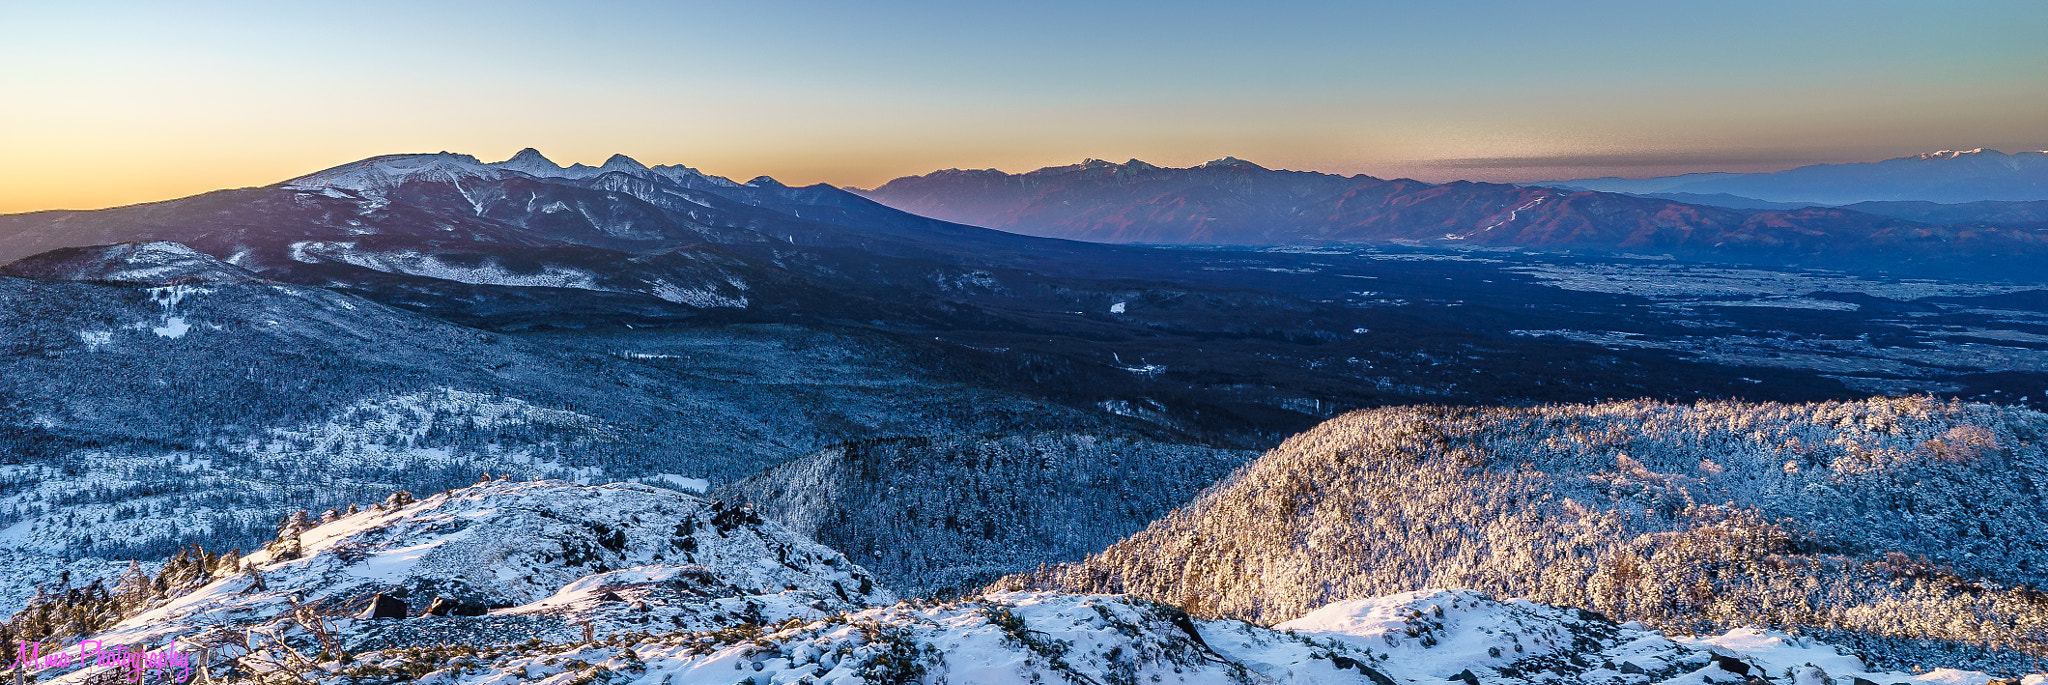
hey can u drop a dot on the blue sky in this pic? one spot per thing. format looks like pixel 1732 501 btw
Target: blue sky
pixel 117 103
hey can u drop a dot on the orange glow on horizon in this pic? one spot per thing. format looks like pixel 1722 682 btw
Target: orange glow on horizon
pixel 69 184
pixel 157 102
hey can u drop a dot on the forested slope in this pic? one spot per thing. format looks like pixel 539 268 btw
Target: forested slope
pixel 941 514
pixel 1884 519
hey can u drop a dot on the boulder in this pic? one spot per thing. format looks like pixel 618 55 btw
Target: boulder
pixel 385 606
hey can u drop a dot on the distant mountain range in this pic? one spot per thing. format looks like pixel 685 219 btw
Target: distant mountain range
pixel 1946 177
pixel 1234 202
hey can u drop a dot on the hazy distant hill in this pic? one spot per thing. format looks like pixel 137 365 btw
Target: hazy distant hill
pixel 1890 518
pixel 1933 213
pixel 1948 176
pixel 1987 211
pixel 1234 202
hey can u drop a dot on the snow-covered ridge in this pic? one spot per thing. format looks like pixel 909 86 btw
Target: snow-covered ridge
pixel 152 263
pixel 413 263
pixel 501 544
pixel 558 583
pixel 1948 154
pixel 378 174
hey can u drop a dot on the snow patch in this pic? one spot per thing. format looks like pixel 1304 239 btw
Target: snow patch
pixel 696 297
pixel 95 339
pixel 412 263
pixel 173 327
pixel 678 482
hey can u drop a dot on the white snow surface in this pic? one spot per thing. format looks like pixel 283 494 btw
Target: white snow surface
pixel 677 481
pixel 1779 653
pixel 705 296
pixel 998 639
pixel 413 263
pixel 1432 635
pixel 1429 636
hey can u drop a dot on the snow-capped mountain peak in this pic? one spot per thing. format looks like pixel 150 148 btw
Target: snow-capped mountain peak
pixel 532 163
pixel 381 173
pixel 620 162
pixel 1953 154
pixel 1232 163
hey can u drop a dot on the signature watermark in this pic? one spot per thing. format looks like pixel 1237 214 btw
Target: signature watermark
pixel 165 665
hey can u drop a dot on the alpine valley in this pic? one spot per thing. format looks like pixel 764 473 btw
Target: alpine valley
pixel 1107 424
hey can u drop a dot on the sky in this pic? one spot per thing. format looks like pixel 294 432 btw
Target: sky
pixel 104 104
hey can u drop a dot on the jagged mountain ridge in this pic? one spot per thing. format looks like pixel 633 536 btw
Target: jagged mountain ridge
pixel 1889 519
pixel 1233 202
pixel 1947 176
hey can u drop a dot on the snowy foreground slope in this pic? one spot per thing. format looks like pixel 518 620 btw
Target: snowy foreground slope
pixel 539 555
pixel 672 588
pixel 998 639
